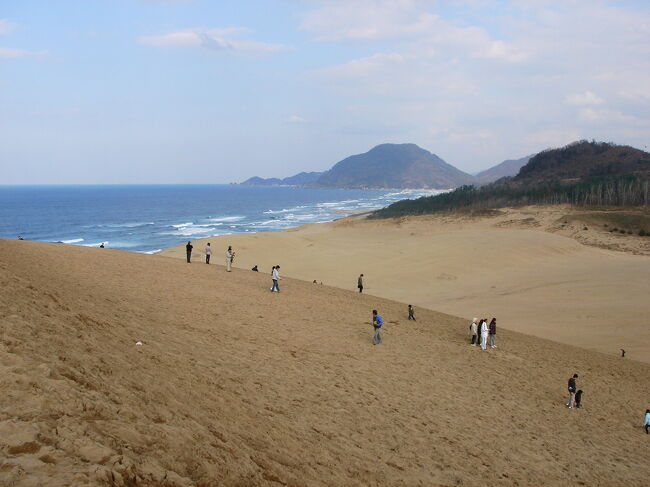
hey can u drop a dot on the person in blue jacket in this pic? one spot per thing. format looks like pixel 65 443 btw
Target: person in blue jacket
pixel 377 321
pixel 647 421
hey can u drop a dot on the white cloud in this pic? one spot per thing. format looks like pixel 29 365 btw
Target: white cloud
pixel 10 53
pixel 211 39
pixel 367 19
pixel 585 98
pixel 296 119
pixel 6 27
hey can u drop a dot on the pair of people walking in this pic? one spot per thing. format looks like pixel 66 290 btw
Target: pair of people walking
pixel 480 331
pixel 275 277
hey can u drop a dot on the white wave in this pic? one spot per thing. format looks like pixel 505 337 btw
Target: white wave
pixel 189 231
pixel 285 210
pixel 129 225
pixel 181 225
pixel 226 219
pixel 72 241
pixel 150 252
pixel 97 244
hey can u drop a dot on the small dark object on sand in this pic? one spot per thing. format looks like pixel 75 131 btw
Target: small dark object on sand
pixel 622 353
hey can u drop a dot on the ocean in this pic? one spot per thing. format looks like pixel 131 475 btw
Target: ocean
pixel 148 218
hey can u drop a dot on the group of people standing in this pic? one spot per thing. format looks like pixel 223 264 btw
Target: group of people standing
pixel 230 254
pixel 480 331
pixel 230 257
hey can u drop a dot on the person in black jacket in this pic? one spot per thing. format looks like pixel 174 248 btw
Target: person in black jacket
pixel 572 390
pixel 411 313
pixel 188 249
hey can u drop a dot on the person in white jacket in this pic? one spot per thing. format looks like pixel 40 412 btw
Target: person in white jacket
pixel 208 253
pixel 275 276
pixel 473 331
pixel 484 334
pixel 230 255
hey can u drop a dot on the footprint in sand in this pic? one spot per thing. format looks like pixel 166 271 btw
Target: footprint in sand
pixel 446 277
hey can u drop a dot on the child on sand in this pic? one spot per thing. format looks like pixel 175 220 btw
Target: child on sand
pixel 377 321
pixel 411 315
pixel 208 253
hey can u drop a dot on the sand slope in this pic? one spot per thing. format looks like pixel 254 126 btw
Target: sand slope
pixel 526 267
pixel 238 386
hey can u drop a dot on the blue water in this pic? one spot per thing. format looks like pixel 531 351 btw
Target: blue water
pixel 149 218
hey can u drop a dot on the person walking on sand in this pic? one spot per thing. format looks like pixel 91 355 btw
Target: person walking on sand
pixel 493 333
pixel 377 322
pixel 572 390
pixel 473 330
pixel 360 283
pixel 188 251
pixel 411 313
pixel 275 276
pixel 646 421
pixel 230 255
pixel 208 253
pixel 484 333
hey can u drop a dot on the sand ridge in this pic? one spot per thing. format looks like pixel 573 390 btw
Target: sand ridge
pixel 536 269
pixel 238 386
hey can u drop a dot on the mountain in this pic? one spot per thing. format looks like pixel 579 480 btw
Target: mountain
pixel 583 173
pixel 584 159
pixel 302 178
pixel 299 179
pixel 393 166
pixel 504 169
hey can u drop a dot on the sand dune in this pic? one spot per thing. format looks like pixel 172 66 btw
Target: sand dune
pixel 526 267
pixel 237 386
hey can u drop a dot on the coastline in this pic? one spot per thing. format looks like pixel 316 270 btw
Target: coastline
pixel 145 218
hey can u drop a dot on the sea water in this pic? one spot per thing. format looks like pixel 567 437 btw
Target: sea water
pixel 148 218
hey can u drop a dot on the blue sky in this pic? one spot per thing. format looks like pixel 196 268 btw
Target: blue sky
pixel 211 91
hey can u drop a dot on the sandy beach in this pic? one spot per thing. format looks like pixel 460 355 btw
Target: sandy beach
pixel 234 385
pixel 540 271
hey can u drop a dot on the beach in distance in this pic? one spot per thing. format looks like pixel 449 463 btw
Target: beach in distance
pixel 552 272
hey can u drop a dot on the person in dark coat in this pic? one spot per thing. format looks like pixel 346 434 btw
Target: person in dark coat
pixel 572 390
pixel 411 313
pixel 188 250
pixel 360 283
pixel 493 333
